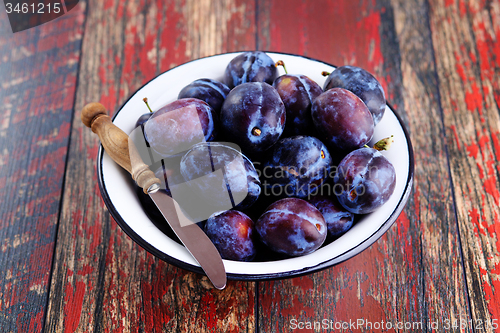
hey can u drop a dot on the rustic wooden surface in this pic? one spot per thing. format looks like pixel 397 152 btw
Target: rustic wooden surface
pixel 38 71
pixel 468 69
pixel 67 266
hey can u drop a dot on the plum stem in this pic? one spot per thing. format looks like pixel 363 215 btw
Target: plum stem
pixel 282 64
pixel 145 99
pixel 325 73
pixel 384 144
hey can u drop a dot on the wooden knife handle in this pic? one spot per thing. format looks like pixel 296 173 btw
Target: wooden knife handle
pixel 118 145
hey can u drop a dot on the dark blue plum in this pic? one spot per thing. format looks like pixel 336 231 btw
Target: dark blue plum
pixel 221 175
pixel 364 181
pixel 297 93
pixel 232 233
pixel 338 219
pixel 211 91
pixel 253 116
pixel 342 120
pixel 362 84
pixel 173 183
pixel 254 66
pixel 142 119
pixel 174 128
pixel 137 135
pixel 292 226
pixel 297 166
pixel 141 143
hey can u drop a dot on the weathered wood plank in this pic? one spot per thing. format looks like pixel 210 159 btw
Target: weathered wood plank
pixel 102 281
pixel 466 37
pixel 38 70
pixel 445 294
pixel 413 274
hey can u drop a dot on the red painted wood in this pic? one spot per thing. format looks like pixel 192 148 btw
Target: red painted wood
pixel 324 30
pixel 38 70
pixel 413 274
pixel 468 65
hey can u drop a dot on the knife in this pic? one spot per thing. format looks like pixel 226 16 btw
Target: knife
pixel 121 149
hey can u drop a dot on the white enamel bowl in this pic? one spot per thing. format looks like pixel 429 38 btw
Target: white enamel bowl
pixel 123 204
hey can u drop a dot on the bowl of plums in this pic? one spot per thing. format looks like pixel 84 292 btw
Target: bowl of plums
pixel 290 165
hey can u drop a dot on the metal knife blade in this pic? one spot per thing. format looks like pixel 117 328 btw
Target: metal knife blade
pixel 193 238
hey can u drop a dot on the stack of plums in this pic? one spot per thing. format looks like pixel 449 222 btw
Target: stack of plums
pixel 270 167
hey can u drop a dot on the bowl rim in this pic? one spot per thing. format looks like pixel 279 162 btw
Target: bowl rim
pixel 258 277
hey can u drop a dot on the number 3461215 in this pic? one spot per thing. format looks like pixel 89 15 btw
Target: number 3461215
pixel 39 8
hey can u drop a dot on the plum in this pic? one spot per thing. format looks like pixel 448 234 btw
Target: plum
pixel 297 166
pixel 292 226
pixel 338 219
pixel 145 117
pixel 254 66
pixel 342 120
pixel 142 119
pixel 232 233
pixel 221 175
pixel 253 116
pixel 174 128
pixel 208 90
pixel 297 93
pixel 364 181
pixel 362 84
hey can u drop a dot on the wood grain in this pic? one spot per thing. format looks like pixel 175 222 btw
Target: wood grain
pixel 466 36
pixel 413 274
pixel 439 63
pixel 445 293
pixel 38 70
pixel 102 280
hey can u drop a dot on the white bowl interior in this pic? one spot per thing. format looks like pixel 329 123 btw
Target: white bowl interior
pixel 165 88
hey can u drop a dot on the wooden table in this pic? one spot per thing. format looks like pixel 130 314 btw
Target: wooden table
pixel 67 267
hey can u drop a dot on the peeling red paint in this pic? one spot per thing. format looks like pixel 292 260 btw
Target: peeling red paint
pixel 305 282
pixel 490 186
pixel 495 138
pixel 481 171
pixel 109 5
pixel 476 220
pixel 491 290
pixel 462 8
pixel 460 69
pixel 35 322
pixel 73 302
pixel 490 166
pixel 449 3
pixel 86 269
pixel 472 150
pixel 474 99
pixel 109 99
pixel 147 63
pixel 454 129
